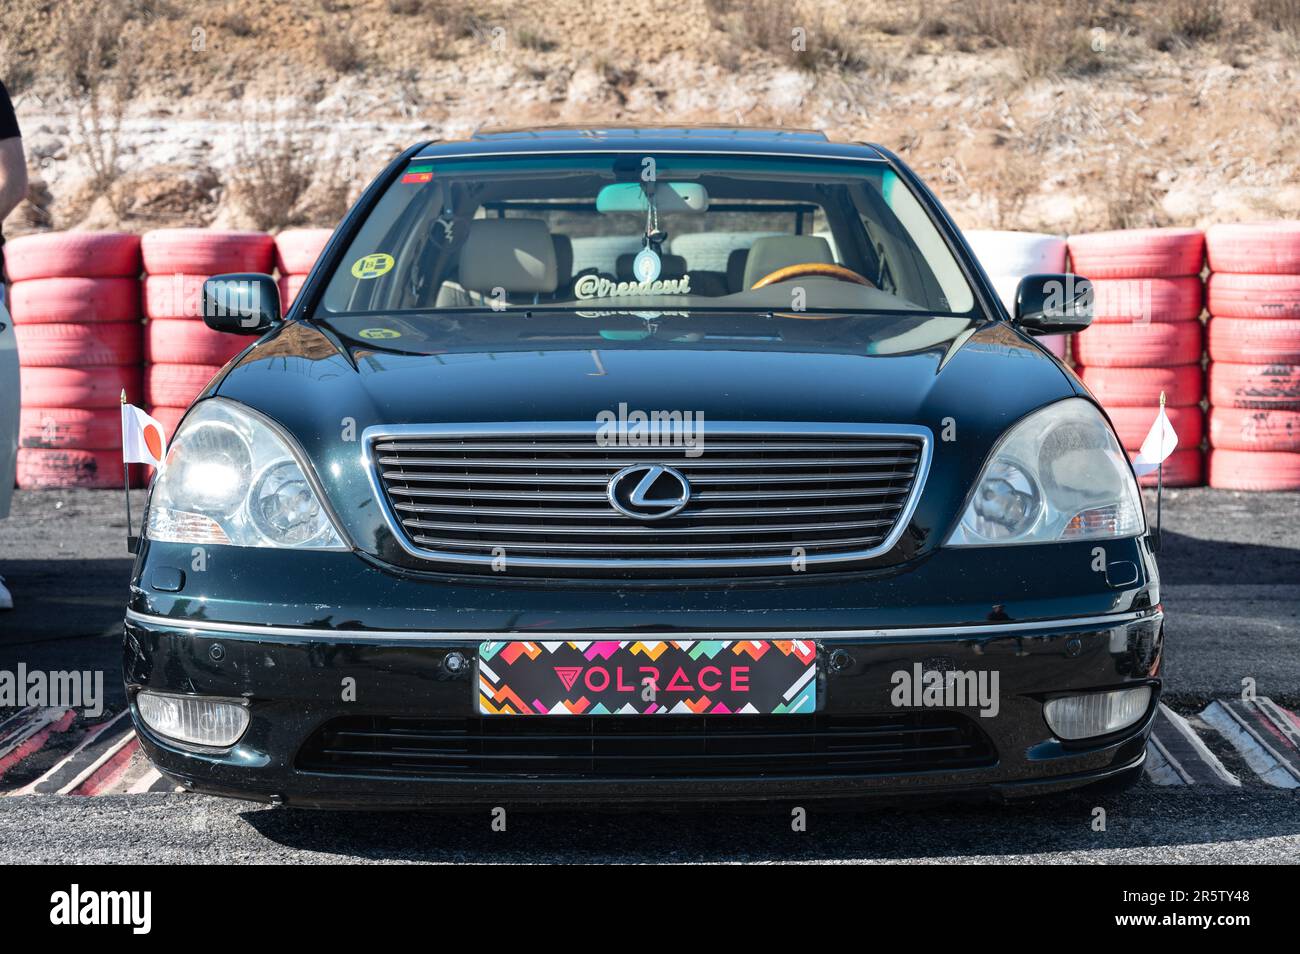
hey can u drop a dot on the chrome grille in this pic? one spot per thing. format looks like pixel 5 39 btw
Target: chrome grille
pixel 538 494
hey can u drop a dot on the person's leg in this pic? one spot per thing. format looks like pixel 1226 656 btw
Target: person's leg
pixel 5 475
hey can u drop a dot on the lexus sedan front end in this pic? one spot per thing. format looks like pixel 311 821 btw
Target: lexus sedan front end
pixel 644 465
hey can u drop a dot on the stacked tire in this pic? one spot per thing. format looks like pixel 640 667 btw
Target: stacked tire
pixel 182 354
pixel 75 303
pixel 1010 256
pixel 1253 296
pixel 1147 337
pixel 296 251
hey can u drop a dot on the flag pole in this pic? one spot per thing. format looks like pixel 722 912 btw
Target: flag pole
pixel 131 540
pixel 1160 480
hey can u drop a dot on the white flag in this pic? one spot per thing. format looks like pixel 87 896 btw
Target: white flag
pixel 143 438
pixel 1159 444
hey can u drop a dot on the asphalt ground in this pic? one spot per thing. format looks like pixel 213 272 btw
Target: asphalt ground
pixel 1230 566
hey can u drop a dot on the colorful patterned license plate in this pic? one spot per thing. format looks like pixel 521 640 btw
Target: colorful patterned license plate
pixel 647 677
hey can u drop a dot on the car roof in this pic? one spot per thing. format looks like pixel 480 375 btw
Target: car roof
pixel 658 139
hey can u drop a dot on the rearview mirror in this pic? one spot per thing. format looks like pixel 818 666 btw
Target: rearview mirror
pixel 669 197
pixel 246 303
pixel 1053 304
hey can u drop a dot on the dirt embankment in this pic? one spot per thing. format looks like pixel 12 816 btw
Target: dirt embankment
pixel 1037 115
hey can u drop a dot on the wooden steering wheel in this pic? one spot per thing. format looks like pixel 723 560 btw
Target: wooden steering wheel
pixel 812 269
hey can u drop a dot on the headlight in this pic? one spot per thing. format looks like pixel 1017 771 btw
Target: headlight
pixel 1057 475
pixel 231 478
pixel 1096 713
pixel 199 720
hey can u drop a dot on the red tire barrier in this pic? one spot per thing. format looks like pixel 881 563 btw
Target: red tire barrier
pixel 1259 386
pixel 74 300
pixel 1141 387
pixel 206 251
pixel 73 254
pixel 1253 296
pixel 1254 470
pixel 174 296
pixel 180 341
pixel 1138 300
pixel 1247 430
pixel 1152 345
pixel 1255 340
pixel 40 469
pixel 176 385
pixel 78 346
pixel 290 285
pixel 296 250
pixel 1138 253
pixel 1255 248
pixel 79 387
pixel 1132 424
pixel 70 427
pixel 1183 468
pixel 168 417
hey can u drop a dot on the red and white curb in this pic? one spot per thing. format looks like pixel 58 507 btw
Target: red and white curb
pixel 106 758
pixel 1176 755
pixel 1265 735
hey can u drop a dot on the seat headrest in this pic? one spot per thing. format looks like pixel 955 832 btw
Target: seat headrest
pixel 772 252
pixel 563 260
pixel 515 254
pixel 736 269
pixel 671 267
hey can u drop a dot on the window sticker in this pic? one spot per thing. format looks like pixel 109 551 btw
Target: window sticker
pixel 372 266
pixel 378 333
pixel 418 175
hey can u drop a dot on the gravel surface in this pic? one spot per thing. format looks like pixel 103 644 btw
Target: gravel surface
pixel 1230 567
pixel 1148 826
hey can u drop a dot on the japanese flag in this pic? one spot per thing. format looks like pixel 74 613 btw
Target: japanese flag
pixel 142 437
pixel 1159 444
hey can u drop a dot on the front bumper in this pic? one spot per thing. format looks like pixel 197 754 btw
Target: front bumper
pixel 294 680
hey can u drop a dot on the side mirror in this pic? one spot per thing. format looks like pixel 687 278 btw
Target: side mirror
pixel 241 304
pixel 1053 304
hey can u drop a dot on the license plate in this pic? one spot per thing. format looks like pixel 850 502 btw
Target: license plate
pixel 647 677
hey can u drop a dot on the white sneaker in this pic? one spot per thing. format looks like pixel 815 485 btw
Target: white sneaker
pixel 6 600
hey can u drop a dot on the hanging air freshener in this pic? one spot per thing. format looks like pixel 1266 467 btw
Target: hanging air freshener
pixel 647 266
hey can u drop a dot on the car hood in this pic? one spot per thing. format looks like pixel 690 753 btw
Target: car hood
pixel 967 388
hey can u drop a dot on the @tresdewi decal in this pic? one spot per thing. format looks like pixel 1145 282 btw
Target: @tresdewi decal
pixel 593 286
pixel 648 491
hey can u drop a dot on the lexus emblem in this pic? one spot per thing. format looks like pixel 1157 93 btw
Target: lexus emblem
pixel 648 491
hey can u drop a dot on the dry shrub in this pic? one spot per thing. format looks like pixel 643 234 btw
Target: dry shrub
pixel 272 170
pixel 1049 38
pixel 1132 200
pixel 97 66
pixel 805 36
pixel 1016 176
pixel 1277 14
pixel 339 51
pixel 531 38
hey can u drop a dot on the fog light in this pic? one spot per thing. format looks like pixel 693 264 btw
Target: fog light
pixel 1097 713
pixel 198 720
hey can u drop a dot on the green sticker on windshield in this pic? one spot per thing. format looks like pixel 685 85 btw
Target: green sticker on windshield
pixel 372 266
pixel 374 333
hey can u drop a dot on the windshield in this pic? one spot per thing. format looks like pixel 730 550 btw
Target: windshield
pixel 667 232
